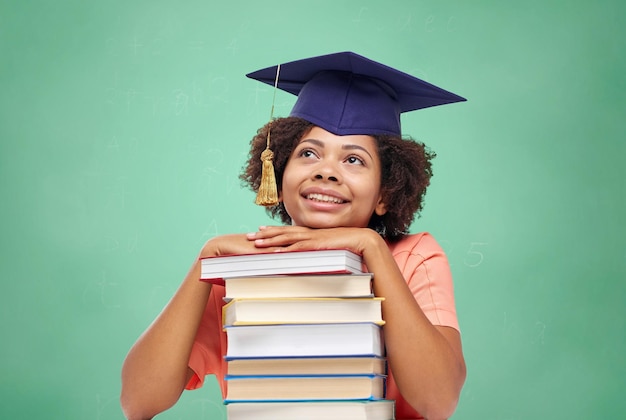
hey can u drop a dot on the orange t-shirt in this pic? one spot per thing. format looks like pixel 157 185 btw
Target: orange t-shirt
pixel 426 271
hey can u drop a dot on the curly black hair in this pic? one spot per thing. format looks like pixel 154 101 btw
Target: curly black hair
pixel 405 173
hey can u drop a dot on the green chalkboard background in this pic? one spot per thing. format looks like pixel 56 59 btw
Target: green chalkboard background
pixel 124 123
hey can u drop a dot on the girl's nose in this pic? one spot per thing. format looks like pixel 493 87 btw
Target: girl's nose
pixel 329 177
pixel 328 168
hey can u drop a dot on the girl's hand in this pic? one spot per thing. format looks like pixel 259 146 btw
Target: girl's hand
pixel 232 244
pixel 298 238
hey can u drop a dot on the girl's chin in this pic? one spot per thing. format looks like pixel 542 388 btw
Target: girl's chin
pixel 322 224
pixel 321 220
pixel 316 223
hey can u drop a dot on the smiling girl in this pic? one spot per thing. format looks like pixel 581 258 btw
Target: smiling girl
pixel 346 178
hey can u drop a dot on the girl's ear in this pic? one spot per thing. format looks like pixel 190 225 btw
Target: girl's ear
pixel 380 208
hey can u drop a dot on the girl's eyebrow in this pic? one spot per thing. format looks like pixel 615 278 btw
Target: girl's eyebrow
pixel 344 147
pixel 356 147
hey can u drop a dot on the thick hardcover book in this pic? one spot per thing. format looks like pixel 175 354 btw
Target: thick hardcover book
pixel 303 285
pixel 302 311
pixel 308 410
pixel 297 388
pixel 214 269
pixel 363 365
pixel 294 340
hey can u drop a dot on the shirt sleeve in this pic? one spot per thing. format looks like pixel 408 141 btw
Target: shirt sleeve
pixel 426 270
pixel 210 343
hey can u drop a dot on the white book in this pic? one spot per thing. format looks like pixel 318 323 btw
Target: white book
pixel 272 263
pixel 293 340
pixel 312 410
pixel 302 311
pixel 303 285
pixel 298 388
pixel 312 365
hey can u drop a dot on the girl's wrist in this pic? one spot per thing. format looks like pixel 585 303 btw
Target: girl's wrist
pixel 373 244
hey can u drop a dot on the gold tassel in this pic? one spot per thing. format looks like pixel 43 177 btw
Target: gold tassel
pixel 268 194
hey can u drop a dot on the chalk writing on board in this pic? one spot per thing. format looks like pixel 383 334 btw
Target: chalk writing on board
pixel 132 242
pixel 111 95
pixel 101 404
pixel 260 92
pixel 210 173
pixel 98 291
pixel 209 409
pixel 211 230
pixel 408 22
pixel 509 329
pixel 246 228
pixel 216 157
pixel 114 144
pixel 177 102
pixel 232 184
pixel 111 244
pixel 196 45
pixel 474 256
pixel 181 101
pixel 135 45
pixel 358 18
pixel 133 143
pixel 452 24
pixel 104 285
pixel 429 24
pixel 197 94
pixel 157 103
pixel 130 94
pixel 219 88
pixel 233 46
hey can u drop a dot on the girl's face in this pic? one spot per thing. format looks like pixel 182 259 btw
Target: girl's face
pixel 332 181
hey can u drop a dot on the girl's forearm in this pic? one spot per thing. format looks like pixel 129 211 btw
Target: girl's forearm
pixel 426 361
pixel 154 373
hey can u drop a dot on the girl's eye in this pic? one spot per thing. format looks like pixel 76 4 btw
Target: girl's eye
pixel 306 153
pixel 354 160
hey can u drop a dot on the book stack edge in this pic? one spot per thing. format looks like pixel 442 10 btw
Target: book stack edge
pixel 304 334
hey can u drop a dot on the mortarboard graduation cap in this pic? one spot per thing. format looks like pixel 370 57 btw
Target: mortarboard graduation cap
pixel 346 93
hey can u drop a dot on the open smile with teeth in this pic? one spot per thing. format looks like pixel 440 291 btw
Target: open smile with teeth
pixel 324 198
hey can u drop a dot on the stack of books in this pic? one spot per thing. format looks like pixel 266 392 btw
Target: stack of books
pixel 304 334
